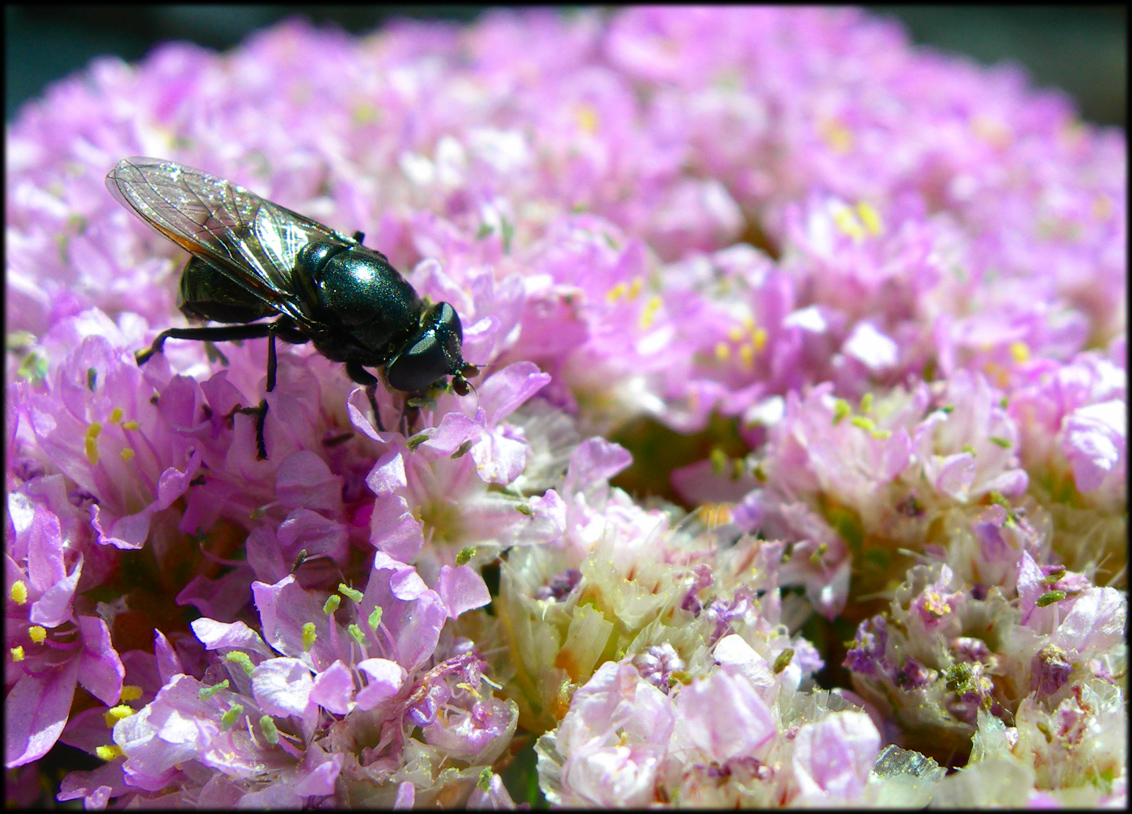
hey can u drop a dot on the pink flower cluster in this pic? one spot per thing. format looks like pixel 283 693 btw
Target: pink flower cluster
pixel 796 473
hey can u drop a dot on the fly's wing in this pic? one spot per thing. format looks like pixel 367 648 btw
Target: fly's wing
pixel 253 241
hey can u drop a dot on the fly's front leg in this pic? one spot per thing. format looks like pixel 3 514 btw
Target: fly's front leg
pixel 362 376
pixel 409 413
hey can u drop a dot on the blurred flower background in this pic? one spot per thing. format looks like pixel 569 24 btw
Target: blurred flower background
pixel 796 473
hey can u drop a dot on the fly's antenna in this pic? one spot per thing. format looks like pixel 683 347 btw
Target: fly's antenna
pixel 460 383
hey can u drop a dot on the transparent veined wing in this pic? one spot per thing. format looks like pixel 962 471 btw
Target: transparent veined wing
pixel 252 240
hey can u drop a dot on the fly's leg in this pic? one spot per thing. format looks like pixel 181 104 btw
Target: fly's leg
pixel 362 376
pixel 214 354
pixel 219 333
pixel 261 410
pixel 411 407
pixel 409 413
pixel 283 328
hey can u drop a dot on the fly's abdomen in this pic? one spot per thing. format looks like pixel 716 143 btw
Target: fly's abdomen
pixel 209 294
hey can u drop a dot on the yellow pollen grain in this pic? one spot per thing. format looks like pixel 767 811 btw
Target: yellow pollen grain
pixel 127 454
pixel 241 658
pixel 1102 207
pixel 115 714
pixel 116 415
pixel 131 425
pixel 847 222
pixel 714 515
pixel 992 131
pixel 230 716
pixel 759 339
pixel 837 136
pixel 870 218
pixel 617 292
pixel 735 334
pixel 747 355
pixel 269 730
pixel 588 119
pixel 17 653
pixel 635 288
pixel 1020 351
pixel 718 460
pixel 464 685
pixel 722 351
pixel 90 442
pixel 648 314
pixel 936 605
pixel 994 371
pixel 19 592
pixel 862 423
pixel 364 114
pixel 37 633
pixel 131 692
pixel 110 752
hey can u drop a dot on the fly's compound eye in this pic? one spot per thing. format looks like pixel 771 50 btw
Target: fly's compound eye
pixel 419 366
pixel 435 352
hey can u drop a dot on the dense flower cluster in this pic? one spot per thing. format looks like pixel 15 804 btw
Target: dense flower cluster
pixel 795 475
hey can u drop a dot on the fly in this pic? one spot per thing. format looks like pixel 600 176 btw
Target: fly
pixel 253 260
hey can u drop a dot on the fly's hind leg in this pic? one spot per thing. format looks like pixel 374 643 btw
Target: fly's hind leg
pixel 283 328
pixel 219 333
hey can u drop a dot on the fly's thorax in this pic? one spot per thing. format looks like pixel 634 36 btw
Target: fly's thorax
pixel 364 309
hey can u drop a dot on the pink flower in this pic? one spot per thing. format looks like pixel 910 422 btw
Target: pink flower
pixel 785 329
pixel 724 717
pixel 832 759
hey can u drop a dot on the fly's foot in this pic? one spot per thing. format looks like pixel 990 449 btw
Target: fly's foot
pixel 260 412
